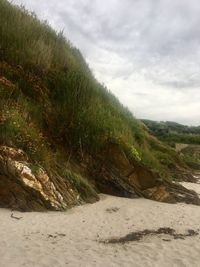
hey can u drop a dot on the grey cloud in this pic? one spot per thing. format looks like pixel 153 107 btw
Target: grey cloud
pixel 181 84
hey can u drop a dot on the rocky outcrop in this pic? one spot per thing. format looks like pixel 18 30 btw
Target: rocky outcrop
pixel 182 174
pixel 172 193
pixel 116 175
pixel 24 186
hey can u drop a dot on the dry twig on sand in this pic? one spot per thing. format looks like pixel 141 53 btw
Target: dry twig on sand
pixel 14 217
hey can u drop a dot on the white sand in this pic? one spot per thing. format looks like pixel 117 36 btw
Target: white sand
pixel 35 241
pixel 192 186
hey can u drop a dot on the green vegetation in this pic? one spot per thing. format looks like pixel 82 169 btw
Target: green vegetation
pixel 172 132
pixel 54 109
pixel 85 189
pixel 191 155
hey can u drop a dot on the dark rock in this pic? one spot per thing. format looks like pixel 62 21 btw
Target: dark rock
pixel 112 173
pixel 24 190
pixel 116 175
pixel 172 193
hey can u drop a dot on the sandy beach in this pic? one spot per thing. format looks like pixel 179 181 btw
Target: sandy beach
pixel 99 133
pixel 78 237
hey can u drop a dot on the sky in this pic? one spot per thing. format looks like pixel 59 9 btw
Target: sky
pixel 147 52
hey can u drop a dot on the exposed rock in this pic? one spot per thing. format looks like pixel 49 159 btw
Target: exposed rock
pixel 172 193
pixel 23 189
pixel 159 193
pixel 116 175
pixel 182 174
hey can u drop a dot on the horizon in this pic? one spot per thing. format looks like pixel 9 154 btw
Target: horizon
pixel 156 76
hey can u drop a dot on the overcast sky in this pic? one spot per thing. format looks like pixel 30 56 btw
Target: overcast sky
pixel 147 52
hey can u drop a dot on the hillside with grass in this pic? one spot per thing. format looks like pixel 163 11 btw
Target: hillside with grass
pixel 63 124
pixel 184 139
pixel 172 132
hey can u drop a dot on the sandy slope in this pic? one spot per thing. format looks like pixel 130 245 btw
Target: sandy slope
pixel 72 238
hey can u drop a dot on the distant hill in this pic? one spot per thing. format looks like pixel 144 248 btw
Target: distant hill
pixel 185 139
pixel 173 132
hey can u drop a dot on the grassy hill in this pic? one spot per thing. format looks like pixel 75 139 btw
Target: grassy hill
pixel 174 134
pixel 54 109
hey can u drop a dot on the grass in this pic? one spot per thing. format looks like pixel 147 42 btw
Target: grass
pixel 81 183
pixel 20 128
pixel 52 100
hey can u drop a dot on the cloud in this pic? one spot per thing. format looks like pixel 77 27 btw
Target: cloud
pixel 146 52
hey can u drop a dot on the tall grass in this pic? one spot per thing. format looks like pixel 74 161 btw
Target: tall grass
pixel 75 108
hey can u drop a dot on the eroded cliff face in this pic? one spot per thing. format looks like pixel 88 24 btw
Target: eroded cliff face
pixel 26 187
pixel 116 175
pixel 55 109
